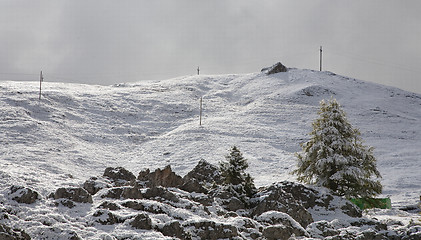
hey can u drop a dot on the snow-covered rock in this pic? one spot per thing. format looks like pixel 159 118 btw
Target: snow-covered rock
pixel 119 175
pixel 7 232
pixel 276 68
pixel 280 225
pixel 274 198
pixel 23 194
pixel 67 196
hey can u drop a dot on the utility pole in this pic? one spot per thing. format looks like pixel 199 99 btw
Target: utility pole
pixel 320 58
pixel 41 79
pixel 200 118
pixel 198 70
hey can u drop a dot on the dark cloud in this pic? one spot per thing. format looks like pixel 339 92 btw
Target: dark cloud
pixel 106 42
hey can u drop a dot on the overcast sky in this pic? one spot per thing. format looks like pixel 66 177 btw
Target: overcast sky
pixel 106 42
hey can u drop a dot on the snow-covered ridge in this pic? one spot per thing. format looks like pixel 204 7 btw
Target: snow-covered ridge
pixel 76 131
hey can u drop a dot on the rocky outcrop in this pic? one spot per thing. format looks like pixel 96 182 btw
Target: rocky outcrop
pixel 119 176
pixel 274 198
pixel 165 178
pixel 23 195
pixel 201 178
pixel 319 201
pixel 196 207
pixel 204 173
pixel 276 68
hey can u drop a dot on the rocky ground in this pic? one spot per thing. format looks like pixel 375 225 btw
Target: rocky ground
pixel 163 205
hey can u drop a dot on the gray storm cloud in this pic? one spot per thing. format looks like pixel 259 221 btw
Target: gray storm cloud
pixel 106 42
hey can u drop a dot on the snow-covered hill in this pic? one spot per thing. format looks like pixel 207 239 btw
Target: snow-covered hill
pixel 76 131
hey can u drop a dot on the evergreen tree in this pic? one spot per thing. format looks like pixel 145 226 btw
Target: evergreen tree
pixel 335 157
pixel 234 176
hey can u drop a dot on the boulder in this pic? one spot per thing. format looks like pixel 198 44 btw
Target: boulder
pixel 322 229
pixel 119 175
pixel 249 228
pixel 70 195
pixel 206 229
pixel 106 217
pixel 280 225
pixel 174 229
pixel 276 68
pixel 142 221
pixel 109 206
pixel 94 184
pixel 23 194
pixel 164 178
pixel 274 198
pixel 8 233
pixel 123 193
pixel 275 232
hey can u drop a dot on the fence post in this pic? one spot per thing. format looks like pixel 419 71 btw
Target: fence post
pixel 41 79
pixel 200 118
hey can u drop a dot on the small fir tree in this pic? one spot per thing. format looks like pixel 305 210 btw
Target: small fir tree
pixel 335 157
pixel 234 175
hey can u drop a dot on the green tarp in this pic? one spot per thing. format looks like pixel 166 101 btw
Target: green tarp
pixel 365 203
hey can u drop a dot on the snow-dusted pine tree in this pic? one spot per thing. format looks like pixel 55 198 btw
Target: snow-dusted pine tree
pixel 234 175
pixel 335 157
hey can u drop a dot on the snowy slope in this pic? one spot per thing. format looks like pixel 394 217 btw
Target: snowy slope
pixel 76 131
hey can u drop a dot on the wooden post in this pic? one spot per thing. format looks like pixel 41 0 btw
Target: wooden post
pixel 320 58
pixel 41 79
pixel 200 117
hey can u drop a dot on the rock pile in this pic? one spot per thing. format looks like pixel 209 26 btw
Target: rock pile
pixel 197 207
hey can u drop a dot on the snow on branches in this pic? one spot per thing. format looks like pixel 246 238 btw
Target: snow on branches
pixel 335 157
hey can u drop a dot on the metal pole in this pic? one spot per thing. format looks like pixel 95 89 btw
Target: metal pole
pixel 320 58
pixel 41 78
pixel 200 118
